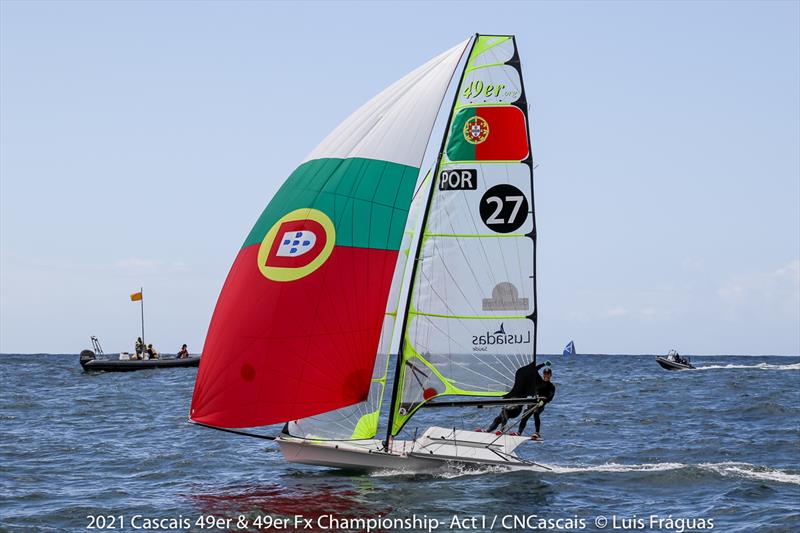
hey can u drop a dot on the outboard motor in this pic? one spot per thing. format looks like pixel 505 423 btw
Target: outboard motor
pixel 86 356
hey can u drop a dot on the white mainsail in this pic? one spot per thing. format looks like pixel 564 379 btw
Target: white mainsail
pixel 471 316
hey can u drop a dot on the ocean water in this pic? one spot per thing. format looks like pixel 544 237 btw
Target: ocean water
pixel 625 441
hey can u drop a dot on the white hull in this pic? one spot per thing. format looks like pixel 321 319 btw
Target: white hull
pixel 438 448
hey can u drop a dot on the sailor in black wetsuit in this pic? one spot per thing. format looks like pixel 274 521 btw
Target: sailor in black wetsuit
pixel 528 382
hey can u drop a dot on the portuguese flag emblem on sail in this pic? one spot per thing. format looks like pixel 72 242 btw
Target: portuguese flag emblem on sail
pixel 495 133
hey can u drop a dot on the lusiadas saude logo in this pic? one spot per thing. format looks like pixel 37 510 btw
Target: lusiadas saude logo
pixel 500 337
pixel 296 245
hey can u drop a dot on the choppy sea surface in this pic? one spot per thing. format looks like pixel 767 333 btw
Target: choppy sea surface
pixel 625 441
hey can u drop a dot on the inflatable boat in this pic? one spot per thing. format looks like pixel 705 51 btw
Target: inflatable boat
pixel 91 363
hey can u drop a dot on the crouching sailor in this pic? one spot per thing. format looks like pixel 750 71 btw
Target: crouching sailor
pixel 527 383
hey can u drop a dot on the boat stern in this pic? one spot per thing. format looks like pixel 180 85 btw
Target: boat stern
pixel 85 357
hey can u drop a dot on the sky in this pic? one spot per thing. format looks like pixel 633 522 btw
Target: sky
pixel 139 142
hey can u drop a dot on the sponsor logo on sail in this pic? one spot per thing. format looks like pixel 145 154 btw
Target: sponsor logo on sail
pixel 296 245
pixel 460 179
pixel 500 337
pixel 505 297
pixel 476 130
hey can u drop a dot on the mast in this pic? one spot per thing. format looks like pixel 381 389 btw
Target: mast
pixel 401 347
pixel 141 291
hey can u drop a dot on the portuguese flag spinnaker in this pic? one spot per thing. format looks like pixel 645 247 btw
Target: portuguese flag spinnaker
pixel 297 325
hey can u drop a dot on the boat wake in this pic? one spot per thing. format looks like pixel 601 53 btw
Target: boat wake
pixel 752 472
pixel 726 469
pixel 760 366
pixel 614 467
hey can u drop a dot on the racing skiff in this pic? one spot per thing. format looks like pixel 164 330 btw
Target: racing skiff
pixel 362 254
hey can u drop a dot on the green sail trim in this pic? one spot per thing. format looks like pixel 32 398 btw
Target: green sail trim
pixel 367 426
pixel 367 200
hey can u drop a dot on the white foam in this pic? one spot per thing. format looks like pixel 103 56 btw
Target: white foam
pixel 746 470
pixel 614 467
pixel 728 469
pixel 760 366
pixel 753 472
pixel 449 471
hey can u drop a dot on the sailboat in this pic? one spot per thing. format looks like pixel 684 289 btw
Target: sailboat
pixel 569 349
pixel 360 251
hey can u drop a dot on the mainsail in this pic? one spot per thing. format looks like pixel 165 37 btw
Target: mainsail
pixel 303 312
pixel 471 317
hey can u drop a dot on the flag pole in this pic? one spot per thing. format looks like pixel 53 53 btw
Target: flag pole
pixel 144 344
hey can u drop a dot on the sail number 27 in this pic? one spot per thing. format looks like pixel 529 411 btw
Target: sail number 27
pixel 504 208
pixel 499 204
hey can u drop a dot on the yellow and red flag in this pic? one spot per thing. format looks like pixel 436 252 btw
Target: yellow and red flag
pixel 136 296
